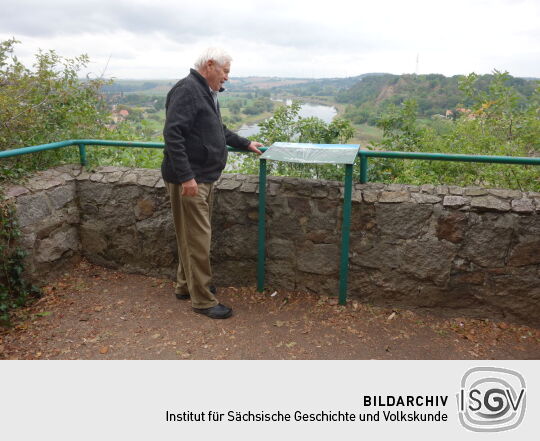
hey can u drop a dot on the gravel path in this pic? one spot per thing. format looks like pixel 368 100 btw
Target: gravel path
pixel 95 313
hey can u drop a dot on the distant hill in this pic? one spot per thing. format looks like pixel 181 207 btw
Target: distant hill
pixel 365 94
pixel 251 83
pixel 433 93
pixel 303 86
pixel 146 87
pixel 322 86
pixel 238 84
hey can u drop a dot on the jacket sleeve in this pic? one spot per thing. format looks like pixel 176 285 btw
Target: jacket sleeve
pixel 234 140
pixel 181 113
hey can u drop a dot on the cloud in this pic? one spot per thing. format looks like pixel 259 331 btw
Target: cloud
pixel 286 38
pixel 263 22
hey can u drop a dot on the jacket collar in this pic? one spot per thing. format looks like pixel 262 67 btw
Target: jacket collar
pixel 198 77
pixel 202 80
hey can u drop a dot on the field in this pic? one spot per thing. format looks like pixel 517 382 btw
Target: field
pixel 366 134
pixel 161 87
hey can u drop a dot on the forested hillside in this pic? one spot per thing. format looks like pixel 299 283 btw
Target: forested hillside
pixel 434 94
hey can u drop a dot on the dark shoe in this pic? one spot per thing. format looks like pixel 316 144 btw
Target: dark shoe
pixel 216 312
pixel 182 296
pixel 213 290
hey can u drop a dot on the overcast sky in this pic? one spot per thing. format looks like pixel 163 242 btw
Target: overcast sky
pixel 288 38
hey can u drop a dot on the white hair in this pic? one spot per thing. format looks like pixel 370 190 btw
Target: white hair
pixel 213 53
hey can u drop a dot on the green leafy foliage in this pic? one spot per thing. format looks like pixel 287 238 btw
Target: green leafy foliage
pixel 14 290
pixel 434 94
pixel 499 121
pixel 46 104
pixel 257 106
pixel 287 126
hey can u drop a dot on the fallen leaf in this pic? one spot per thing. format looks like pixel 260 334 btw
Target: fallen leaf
pixel 183 354
pixel 391 316
pixel 291 344
pixel 279 323
pixel 98 308
pixel 283 303
pixel 104 350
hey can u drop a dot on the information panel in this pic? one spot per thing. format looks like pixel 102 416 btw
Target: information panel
pixel 312 153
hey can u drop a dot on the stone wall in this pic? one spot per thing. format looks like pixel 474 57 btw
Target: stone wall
pixel 468 251
pixel 48 216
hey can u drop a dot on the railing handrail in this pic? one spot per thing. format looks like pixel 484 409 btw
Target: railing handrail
pixel 70 142
pixel 85 142
pixel 530 160
pixel 362 154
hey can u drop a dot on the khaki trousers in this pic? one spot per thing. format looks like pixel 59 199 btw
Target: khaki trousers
pixel 192 217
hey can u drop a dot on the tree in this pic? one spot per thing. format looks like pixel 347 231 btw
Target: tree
pixel 235 107
pixel 258 106
pixel 46 104
pixel 500 121
pixel 285 126
pixel 400 128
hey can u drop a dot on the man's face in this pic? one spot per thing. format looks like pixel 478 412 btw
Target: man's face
pixel 217 74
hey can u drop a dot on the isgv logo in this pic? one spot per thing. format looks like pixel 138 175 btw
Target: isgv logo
pixel 491 399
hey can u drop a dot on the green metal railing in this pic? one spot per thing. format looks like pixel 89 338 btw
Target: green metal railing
pixel 81 143
pixel 363 155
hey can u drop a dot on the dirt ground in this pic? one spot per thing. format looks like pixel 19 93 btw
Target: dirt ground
pixel 95 313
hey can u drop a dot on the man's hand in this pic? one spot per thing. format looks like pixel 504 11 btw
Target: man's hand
pixel 190 188
pixel 254 147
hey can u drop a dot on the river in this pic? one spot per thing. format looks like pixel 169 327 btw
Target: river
pixel 326 113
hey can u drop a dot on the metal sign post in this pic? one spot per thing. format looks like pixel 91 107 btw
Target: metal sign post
pixel 261 243
pixel 310 154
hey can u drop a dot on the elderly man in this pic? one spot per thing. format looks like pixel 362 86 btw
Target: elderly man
pixel 195 155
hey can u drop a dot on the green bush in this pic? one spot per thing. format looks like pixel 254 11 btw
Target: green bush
pixel 14 290
pixel 49 103
pixel 46 104
pixel 499 122
pixel 287 126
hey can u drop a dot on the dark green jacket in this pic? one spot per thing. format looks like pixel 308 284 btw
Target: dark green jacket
pixel 195 138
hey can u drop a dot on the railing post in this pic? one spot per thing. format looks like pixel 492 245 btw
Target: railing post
pixel 363 169
pixel 82 154
pixel 345 234
pixel 262 226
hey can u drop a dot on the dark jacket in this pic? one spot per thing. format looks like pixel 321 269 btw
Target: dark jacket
pixel 195 138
